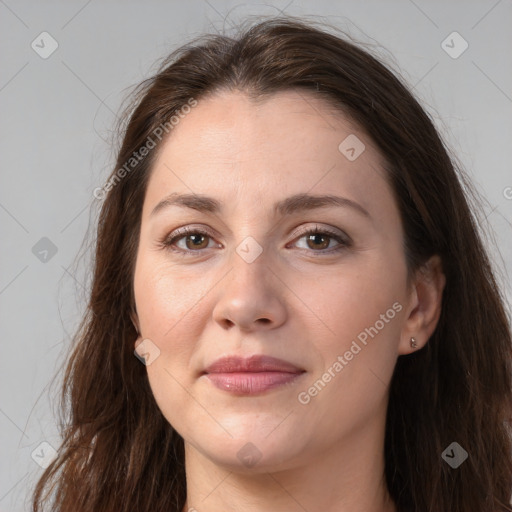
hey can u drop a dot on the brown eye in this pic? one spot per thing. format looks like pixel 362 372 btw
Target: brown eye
pixel 188 240
pixel 197 241
pixel 320 241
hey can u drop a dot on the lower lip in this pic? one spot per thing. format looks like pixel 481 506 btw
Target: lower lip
pixel 251 383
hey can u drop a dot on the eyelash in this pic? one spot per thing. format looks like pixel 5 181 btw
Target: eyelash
pixel 168 242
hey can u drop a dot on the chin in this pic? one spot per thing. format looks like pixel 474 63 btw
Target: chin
pixel 253 453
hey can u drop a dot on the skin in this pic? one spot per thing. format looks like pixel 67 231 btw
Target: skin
pixel 291 302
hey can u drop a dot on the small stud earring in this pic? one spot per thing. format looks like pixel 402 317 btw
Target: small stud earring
pixel 414 343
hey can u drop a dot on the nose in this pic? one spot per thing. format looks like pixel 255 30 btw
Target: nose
pixel 252 296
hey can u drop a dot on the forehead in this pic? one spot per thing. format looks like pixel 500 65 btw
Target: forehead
pixel 288 143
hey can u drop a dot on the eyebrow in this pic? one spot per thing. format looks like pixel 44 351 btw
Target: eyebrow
pixel 288 206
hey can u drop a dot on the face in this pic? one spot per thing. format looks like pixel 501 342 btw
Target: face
pixel 249 278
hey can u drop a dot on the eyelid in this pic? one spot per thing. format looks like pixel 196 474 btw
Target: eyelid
pixel 334 232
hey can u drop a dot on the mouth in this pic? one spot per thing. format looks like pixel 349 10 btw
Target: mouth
pixel 251 376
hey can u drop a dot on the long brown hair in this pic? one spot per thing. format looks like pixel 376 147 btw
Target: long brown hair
pixel 120 454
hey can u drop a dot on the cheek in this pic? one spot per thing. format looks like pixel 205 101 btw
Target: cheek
pixel 169 317
pixel 167 299
pixel 168 306
pixel 361 323
pixel 354 296
pixel 361 314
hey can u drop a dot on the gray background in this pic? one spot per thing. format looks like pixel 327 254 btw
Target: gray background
pixel 57 117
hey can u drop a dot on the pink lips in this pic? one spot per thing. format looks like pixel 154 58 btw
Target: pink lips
pixel 251 375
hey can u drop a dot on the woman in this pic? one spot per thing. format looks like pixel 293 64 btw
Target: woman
pixel 286 245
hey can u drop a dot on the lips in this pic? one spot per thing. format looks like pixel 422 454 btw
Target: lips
pixel 251 376
pixel 254 364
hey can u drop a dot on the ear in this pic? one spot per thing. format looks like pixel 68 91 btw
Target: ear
pixel 424 306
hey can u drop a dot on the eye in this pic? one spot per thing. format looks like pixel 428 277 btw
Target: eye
pixel 319 240
pixel 194 240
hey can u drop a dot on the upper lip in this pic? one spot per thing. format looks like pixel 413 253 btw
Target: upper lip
pixel 256 363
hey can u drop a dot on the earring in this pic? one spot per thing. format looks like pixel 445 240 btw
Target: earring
pixel 414 343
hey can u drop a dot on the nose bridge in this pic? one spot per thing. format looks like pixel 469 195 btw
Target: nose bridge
pixel 250 264
pixel 249 250
pixel 249 297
